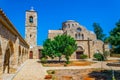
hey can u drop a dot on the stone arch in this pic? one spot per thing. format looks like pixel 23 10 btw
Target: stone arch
pixel 22 54
pixel 19 54
pixel 8 57
pixel 25 54
pixel 80 48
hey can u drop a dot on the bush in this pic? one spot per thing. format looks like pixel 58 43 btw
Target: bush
pixel 99 56
pixel 83 56
pixel 115 55
pixel 43 60
pixel 51 72
pixel 106 54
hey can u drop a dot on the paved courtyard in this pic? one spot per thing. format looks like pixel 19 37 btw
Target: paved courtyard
pixel 32 70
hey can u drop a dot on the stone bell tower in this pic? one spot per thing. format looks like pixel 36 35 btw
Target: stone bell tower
pixel 31 28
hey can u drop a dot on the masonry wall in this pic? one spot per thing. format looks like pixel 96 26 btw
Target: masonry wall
pixel 10 40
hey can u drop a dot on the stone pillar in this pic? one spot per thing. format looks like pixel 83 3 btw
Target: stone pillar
pixel 16 51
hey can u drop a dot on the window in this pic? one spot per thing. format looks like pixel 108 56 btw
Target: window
pixel 82 37
pixel 72 25
pixel 78 29
pixel 31 19
pixel 69 25
pixel 76 24
pixel 76 36
pixel 79 36
pixel 30 35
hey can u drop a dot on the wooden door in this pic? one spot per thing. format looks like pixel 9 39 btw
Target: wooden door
pixel 31 55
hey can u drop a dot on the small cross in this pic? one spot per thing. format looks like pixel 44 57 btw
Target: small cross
pixel 32 8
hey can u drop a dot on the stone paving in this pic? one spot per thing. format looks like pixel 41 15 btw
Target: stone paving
pixel 32 70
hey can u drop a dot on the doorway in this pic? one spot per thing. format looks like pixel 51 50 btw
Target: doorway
pixel 31 55
pixel 78 54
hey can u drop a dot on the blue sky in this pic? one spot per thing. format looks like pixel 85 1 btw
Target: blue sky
pixel 51 14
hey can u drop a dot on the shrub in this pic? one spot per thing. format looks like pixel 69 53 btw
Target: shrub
pixel 99 56
pixel 83 56
pixel 51 72
pixel 43 60
pixel 106 54
pixel 115 55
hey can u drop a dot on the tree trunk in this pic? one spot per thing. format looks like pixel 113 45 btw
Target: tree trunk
pixel 59 59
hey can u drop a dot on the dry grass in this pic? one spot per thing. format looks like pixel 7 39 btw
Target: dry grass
pixel 112 61
pixel 80 63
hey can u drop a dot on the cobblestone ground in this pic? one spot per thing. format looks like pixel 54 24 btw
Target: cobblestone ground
pixel 32 70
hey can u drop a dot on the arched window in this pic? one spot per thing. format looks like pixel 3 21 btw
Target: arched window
pixel 82 37
pixel 72 25
pixel 78 29
pixel 75 36
pixel 31 19
pixel 79 36
pixel 68 25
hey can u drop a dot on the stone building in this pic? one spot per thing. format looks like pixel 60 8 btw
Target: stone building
pixel 86 40
pixel 13 48
pixel 31 34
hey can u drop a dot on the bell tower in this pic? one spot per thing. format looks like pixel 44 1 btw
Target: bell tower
pixel 31 28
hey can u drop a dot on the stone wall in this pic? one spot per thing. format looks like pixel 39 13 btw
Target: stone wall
pixel 10 41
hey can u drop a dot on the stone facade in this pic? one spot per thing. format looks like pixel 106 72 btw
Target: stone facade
pixel 31 32
pixel 86 40
pixel 13 48
pixel 31 28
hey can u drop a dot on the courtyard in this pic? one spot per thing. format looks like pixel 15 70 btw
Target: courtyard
pixel 59 40
pixel 32 69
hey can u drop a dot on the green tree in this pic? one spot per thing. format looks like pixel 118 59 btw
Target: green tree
pixel 114 38
pixel 48 49
pixel 65 45
pixel 60 45
pixel 98 31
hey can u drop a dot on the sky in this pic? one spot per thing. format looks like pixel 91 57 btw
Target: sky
pixel 52 13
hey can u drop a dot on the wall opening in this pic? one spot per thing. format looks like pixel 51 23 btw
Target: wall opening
pixel 31 55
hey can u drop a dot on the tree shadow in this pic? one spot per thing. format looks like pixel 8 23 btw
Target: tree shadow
pixel 53 61
pixel 105 74
pixel 115 64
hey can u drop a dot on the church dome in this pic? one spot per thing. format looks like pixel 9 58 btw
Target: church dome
pixel 69 24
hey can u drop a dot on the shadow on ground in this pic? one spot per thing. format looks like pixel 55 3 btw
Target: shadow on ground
pixel 52 61
pixel 105 75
